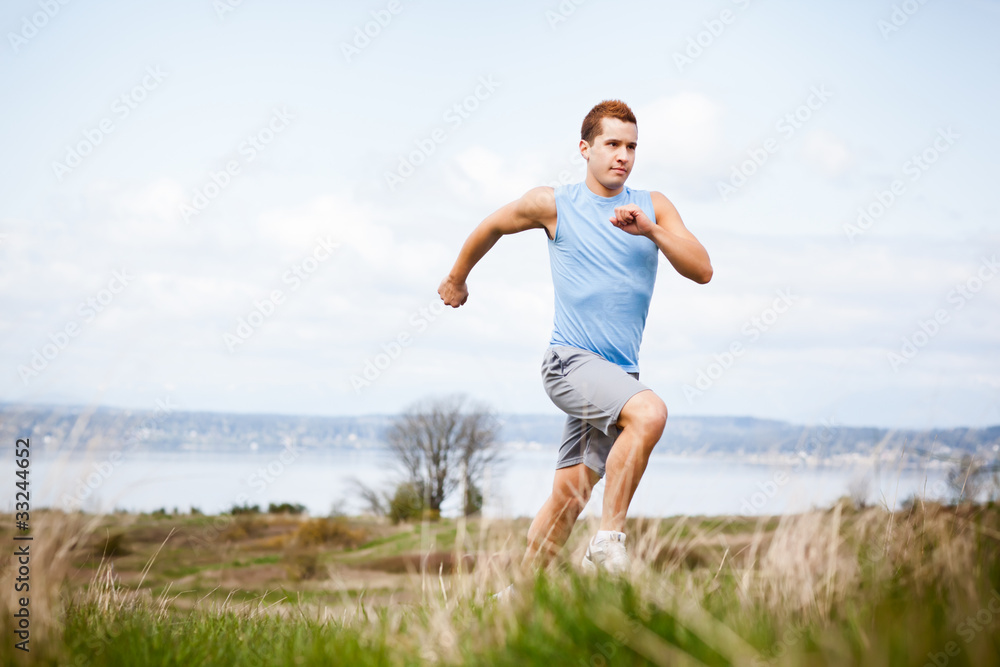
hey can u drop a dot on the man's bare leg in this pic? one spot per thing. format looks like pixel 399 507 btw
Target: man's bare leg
pixel 554 522
pixel 642 421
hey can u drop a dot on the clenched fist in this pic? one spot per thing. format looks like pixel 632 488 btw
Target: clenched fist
pixel 631 219
pixel 453 293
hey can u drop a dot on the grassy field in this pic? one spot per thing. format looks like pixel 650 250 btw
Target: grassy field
pixel 844 586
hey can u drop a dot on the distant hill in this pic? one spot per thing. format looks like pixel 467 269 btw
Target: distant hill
pixel 749 436
pixel 169 430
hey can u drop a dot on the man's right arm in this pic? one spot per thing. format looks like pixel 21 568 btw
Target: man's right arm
pixel 535 210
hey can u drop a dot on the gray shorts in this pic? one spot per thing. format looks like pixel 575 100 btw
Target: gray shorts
pixel 592 391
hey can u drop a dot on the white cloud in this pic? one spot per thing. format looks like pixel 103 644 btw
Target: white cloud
pixel 681 132
pixel 680 145
pixel 194 282
pixel 485 176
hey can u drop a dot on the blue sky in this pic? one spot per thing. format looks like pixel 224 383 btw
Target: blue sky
pixel 279 145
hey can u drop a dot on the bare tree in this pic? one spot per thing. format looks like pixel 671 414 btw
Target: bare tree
pixel 446 443
pixel 374 502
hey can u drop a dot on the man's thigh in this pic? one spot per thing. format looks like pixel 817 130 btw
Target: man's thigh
pixel 592 392
pixel 587 386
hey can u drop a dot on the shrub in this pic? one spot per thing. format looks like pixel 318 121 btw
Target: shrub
pixel 113 545
pixel 243 527
pixel 407 503
pixel 301 564
pixel 245 509
pixel 329 531
pixel 285 508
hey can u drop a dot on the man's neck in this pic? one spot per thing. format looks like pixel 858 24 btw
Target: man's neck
pixel 594 186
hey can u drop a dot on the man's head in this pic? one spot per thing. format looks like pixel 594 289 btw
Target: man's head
pixel 607 141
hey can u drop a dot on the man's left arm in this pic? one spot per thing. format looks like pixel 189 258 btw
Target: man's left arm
pixel 684 252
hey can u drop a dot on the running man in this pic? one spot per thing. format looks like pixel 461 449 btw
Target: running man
pixel 604 241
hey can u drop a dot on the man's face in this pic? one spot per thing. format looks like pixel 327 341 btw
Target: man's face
pixel 612 154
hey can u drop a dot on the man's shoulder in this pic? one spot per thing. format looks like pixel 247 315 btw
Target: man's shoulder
pixel 661 204
pixel 538 202
pixel 657 195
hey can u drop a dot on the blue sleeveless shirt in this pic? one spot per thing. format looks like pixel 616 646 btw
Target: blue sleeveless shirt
pixel 603 276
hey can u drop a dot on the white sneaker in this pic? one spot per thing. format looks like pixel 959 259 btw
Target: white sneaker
pixel 608 554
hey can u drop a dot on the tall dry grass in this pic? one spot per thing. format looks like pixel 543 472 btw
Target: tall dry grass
pixel 722 591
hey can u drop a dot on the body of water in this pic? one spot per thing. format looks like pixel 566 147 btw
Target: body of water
pixel 214 482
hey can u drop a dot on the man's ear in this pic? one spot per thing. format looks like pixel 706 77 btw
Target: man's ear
pixel 584 149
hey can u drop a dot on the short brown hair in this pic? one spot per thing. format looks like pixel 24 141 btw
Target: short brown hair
pixel 606 109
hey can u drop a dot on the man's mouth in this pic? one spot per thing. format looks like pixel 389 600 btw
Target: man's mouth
pixel 618 169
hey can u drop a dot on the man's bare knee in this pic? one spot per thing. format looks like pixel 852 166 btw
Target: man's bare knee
pixel 646 413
